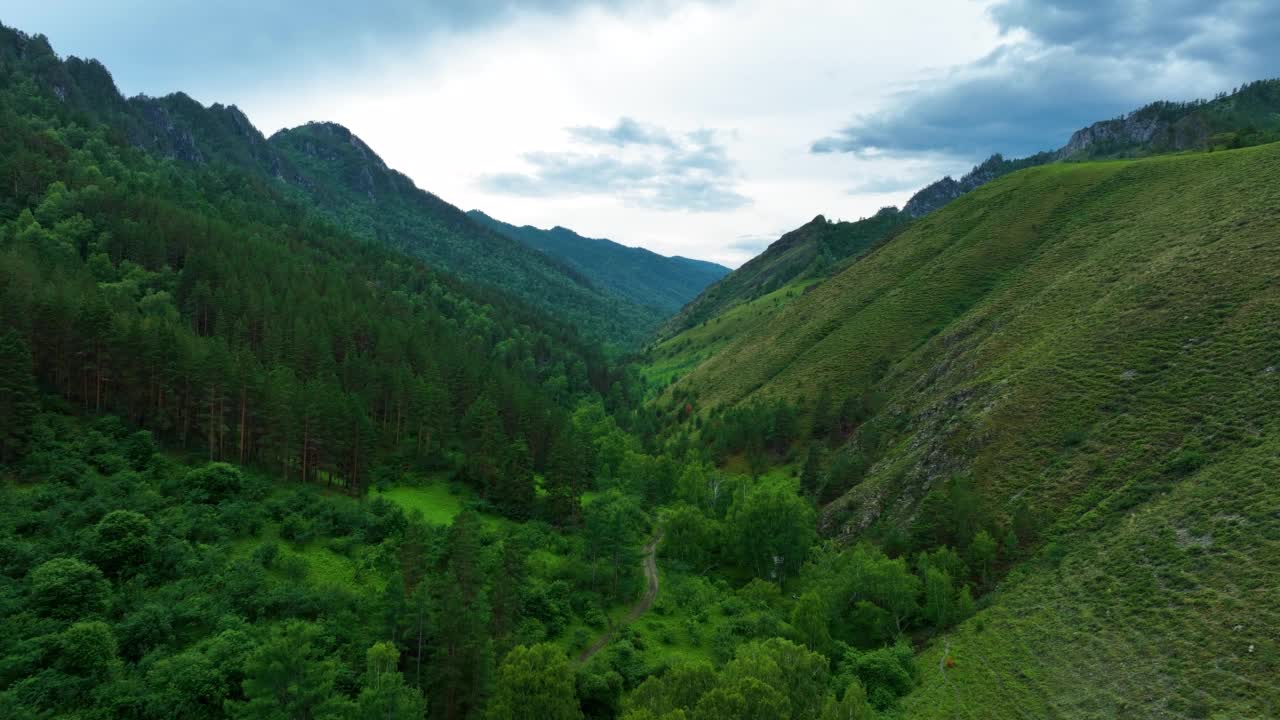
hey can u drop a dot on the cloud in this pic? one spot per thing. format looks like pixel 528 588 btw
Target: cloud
pixel 644 165
pixel 1064 65
pixel 626 132
pixel 194 44
pixel 753 244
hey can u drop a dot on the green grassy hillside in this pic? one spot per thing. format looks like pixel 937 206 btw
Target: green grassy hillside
pixel 1093 342
pixel 812 251
pixel 1166 610
pixel 674 356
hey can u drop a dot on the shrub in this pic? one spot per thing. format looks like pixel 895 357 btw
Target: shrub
pixel 68 588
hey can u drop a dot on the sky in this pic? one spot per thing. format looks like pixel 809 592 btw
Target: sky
pixel 703 129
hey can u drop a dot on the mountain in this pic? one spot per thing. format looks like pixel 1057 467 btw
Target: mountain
pixel 355 188
pixel 812 251
pixel 1085 352
pixel 1249 115
pixel 215 400
pixel 937 194
pixel 1014 458
pixel 638 275
pixel 342 179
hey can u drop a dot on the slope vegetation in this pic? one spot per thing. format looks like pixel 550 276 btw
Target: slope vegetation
pixel 351 185
pixel 813 250
pixel 1095 342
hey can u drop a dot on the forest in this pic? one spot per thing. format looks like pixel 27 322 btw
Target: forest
pixel 264 454
pixel 212 391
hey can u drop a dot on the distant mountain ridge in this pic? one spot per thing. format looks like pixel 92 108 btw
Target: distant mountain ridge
pixel 641 276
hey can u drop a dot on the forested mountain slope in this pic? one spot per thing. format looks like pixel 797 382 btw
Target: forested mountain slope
pixel 336 175
pixel 351 185
pixel 643 277
pixel 1084 353
pixel 214 308
pixel 204 384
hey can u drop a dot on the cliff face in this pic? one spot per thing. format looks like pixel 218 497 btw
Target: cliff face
pixel 1140 130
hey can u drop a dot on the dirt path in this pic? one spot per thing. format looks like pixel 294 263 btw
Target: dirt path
pixel 642 605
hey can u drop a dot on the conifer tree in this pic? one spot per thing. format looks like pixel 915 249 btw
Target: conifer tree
pixel 17 396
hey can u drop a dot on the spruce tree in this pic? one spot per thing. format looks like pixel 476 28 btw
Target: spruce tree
pixel 18 397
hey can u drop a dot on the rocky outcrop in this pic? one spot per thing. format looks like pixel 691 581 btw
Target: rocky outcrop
pixel 943 191
pixel 1160 127
pixel 1156 128
pixel 340 153
pixel 160 131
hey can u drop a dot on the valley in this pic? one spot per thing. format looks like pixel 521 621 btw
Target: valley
pixel 287 436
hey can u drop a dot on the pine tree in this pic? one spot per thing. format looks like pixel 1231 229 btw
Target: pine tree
pixel 18 396
pixel 517 494
pixel 567 476
pixel 811 475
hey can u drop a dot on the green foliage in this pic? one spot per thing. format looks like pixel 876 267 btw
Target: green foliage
pixel 288 677
pixel 810 618
pixel 214 482
pixel 88 649
pixel 17 396
pixel 852 705
pixel 689 536
pixel 982 554
pixel 771 530
pixel 122 541
pixel 384 693
pixel 775 679
pixel 68 588
pixel 613 527
pixel 534 683
pixel 886 673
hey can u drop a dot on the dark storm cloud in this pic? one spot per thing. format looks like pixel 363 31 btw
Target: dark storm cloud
pixel 206 47
pixel 1067 64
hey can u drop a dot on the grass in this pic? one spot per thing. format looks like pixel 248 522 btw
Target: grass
pixel 678 355
pixel 1170 612
pixel 316 562
pixel 437 502
pixel 1097 341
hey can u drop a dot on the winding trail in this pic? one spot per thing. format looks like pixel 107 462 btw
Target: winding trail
pixel 642 605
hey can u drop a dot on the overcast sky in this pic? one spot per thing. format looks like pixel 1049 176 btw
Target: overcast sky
pixel 703 129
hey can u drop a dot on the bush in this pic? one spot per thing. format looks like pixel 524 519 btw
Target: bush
pixel 213 483
pixel 297 529
pixel 122 542
pixel 887 673
pixel 68 588
pixel 266 554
